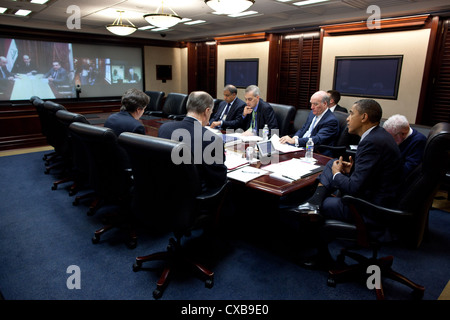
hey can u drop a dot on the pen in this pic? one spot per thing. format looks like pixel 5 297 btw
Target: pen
pixel 243 171
pixel 288 177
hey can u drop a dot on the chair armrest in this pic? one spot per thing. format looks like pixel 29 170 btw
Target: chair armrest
pixel 177 117
pixel 375 209
pixel 155 113
pixel 213 192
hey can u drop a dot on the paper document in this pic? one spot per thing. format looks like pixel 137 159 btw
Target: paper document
pixel 293 169
pixel 283 147
pixel 234 160
pixel 245 138
pixel 246 174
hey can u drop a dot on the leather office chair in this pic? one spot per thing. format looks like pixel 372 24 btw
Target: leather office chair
pixel 38 103
pixel 53 131
pixel 109 175
pixel 171 195
pixel 216 105
pixel 80 166
pixel 156 100
pixel 174 107
pixel 301 115
pixel 284 115
pixel 409 220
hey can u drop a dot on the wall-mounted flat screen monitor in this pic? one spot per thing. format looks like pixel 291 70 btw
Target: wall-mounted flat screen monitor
pixel 241 72
pixel 52 70
pixel 368 76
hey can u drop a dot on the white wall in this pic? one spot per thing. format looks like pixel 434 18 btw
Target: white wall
pixel 411 44
pixel 252 50
pixel 166 56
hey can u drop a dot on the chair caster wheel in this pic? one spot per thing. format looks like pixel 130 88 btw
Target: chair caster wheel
pixel 417 294
pixel 157 294
pixel 136 266
pixel 209 283
pixel 54 187
pixel 95 239
pixel 132 244
pixel 331 282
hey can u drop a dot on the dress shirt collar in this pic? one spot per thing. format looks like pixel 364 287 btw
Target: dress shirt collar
pixel 366 133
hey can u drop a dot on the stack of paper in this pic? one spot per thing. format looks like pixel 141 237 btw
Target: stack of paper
pixel 234 160
pixel 246 174
pixel 292 170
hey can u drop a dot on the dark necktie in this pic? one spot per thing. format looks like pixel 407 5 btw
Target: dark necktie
pixel 227 108
pixel 3 73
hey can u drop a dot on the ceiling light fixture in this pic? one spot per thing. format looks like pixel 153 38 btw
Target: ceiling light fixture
pixel 120 29
pixel 229 6
pixel 162 20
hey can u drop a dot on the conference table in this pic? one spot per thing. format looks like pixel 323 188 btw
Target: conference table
pixel 265 183
pixel 26 86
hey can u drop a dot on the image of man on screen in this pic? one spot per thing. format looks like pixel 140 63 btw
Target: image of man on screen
pixel 57 74
pixel 25 66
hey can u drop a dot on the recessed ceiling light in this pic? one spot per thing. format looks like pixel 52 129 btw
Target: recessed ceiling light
pixel 39 1
pixel 306 2
pixel 195 22
pixel 2 10
pixel 22 12
pixel 243 14
pixel 185 20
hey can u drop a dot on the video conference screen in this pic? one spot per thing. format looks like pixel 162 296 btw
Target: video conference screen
pixel 55 70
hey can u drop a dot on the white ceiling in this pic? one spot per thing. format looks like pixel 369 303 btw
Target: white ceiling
pixel 272 15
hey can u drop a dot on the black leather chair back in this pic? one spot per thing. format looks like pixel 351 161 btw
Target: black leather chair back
pixel 175 104
pixel 419 189
pixel 108 162
pixel 301 115
pixel 216 105
pixel 54 129
pixel 77 149
pixel 284 115
pixel 156 99
pixel 170 188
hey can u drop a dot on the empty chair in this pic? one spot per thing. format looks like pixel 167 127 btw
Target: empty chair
pixel 38 103
pixel 174 107
pixel 407 221
pixel 170 195
pixel 80 166
pixel 284 115
pixel 109 175
pixel 53 131
pixel 156 100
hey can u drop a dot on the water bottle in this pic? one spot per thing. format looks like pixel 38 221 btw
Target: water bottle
pixel 309 150
pixel 265 132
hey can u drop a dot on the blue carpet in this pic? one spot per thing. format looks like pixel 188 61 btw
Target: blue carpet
pixel 42 234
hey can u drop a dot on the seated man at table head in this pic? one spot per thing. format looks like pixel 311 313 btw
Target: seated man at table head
pixel 410 141
pixel 321 125
pixel 25 66
pixel 257 113
pixel 335 97
pixel 57 74
pixel 206 147
pixel 374 175
pixel 134 102
pixel 229 112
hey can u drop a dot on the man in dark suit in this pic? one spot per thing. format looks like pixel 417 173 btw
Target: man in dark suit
pixel 229 113
pixel 321 125
pixel 335 97
pixel 257 113
pixel 5 74
pixel 207 150
pixel 134 102
pixel 57 74
pixel 374 175
pixel 26 66
pixel 410 141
